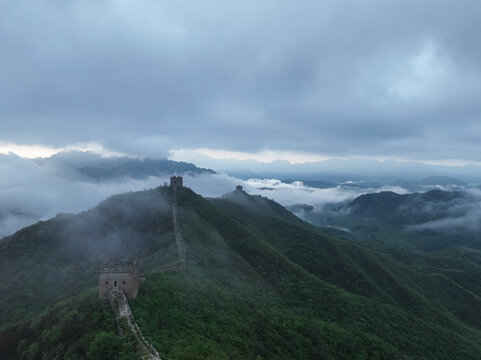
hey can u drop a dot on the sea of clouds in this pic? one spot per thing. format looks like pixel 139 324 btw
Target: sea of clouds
pixel 31 191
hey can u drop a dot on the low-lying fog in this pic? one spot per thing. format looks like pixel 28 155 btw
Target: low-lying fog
pixel 31 191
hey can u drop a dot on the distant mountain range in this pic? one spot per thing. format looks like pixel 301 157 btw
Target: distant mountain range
pixel 431 183
pixel 408 209
pixel 413 185
pixel 429 220
pixel 94 167
pixel 340 170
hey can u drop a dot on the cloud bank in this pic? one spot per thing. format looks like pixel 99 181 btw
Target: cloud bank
pixel 33 189
pixel 373 78
pixel 29 192
pixel 298 193
pixel 462 215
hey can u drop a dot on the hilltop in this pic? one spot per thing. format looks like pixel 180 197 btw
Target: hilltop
pixel 407 209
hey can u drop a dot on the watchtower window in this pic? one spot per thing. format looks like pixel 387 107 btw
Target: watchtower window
pixel 115 283
pixel 106 283
pixel 124 282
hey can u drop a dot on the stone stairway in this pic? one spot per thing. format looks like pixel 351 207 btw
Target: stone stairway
pixel 121 309
pixel 120 305
pixel 179 240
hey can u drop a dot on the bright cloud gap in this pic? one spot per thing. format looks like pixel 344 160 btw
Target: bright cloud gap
pixel 34 151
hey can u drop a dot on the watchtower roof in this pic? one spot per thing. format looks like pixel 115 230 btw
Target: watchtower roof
pixel 116 265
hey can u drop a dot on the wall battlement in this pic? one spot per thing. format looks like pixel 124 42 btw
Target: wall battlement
pixel 119 275
pixel 176 181
pixel 116 265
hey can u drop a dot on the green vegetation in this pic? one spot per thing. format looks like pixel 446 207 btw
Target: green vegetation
pixel 55 259
pixel 79 328
pixel 259 284
pixel 192 321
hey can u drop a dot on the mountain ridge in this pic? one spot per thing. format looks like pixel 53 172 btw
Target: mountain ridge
pixel 242 250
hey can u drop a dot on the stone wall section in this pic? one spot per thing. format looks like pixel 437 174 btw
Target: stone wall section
pixel 179 240
pixel 126 282
pixel 121 309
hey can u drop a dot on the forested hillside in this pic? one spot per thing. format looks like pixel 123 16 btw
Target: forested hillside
pixel 259 283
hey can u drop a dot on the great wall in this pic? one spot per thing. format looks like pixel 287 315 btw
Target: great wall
pixel 179 240
pixel 121 309
pixel 114 281
pixel 119 279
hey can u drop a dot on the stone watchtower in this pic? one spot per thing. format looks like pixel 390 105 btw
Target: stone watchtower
pixel 119 275
pixel 176 181
pixel 238 188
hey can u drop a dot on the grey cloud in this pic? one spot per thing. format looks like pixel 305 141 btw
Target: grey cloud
pixel 11 222
pixel 38 189
pixel 377 78
pixel 298 193
pixel 461 215
pixel 29 192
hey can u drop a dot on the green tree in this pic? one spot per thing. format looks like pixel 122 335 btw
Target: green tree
pixel 105 346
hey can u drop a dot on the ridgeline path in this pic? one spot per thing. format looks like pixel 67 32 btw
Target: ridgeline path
pixel 121 309
pixel 179 240
pixel 120 305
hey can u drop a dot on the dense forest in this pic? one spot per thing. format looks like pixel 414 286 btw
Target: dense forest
pixel 259 284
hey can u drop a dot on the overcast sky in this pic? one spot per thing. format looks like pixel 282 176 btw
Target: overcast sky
pixel 399 79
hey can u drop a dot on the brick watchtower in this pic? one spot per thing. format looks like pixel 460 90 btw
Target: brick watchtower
pixel 119 275
pixel 176 181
